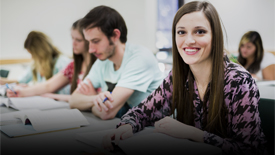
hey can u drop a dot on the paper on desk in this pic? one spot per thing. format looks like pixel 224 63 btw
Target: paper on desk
pixel 55 119
pixel 15 117
pixel 36 102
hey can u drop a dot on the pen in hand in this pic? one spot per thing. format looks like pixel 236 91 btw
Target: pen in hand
pixel 7 85
pixel 106 98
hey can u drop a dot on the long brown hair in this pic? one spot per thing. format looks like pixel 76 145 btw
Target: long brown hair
pixel 255 38
pixel 43 52
pixel 214 120
pixel 78 59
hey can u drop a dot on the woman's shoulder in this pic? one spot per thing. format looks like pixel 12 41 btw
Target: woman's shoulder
pixel 267 60
pixel 236 75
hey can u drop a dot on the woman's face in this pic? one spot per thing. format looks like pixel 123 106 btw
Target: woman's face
pixel 78 42
pixel 193 38
pixel 248 50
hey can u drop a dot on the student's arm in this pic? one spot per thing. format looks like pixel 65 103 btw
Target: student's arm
pixel 155 107
pixel 83 97
pixel 59 97
pixel 5 80
pixel 119 96
pixel 50 86
pixel 269 72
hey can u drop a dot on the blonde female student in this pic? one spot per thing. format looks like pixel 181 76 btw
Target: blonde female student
pixel 260 64
pixel 212 100
pixel 47 61
pixel 72 74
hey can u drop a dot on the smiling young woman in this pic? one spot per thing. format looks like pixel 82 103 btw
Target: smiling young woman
pixel 213 100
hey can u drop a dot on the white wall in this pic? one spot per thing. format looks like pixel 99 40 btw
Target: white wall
pixel 55 17
pixel 240 16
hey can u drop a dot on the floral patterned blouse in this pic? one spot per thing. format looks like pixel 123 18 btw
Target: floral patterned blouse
pixel 241 99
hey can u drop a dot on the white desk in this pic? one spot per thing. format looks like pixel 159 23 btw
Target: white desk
pixel 64 142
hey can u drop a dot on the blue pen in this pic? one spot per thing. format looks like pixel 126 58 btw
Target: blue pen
pixel 106 98
pixel 11 89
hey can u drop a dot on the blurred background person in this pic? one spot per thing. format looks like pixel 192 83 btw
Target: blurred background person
pixel 47 61
pixel 75 71
pixel 260 64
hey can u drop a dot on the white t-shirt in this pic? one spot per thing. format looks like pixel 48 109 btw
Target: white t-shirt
pixel 139 71
pixel 268 59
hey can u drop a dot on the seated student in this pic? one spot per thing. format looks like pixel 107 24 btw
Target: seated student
pixel 48 61
pixel 260 64
pixel 127 70
pixel 72 74
pixel 212 100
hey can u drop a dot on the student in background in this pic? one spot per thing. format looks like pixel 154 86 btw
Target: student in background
pixel 72 74
pixel 260 64
pixel 212 100
pixel 127 70
pixel 47 61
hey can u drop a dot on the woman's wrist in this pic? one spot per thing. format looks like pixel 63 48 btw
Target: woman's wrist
pixel 195 134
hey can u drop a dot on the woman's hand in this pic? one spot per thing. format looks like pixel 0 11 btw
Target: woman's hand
pixel 18 93
pixel 177 129
pixel 84 88
pixel 123 132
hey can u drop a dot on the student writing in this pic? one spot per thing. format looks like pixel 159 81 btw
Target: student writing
pixel 127 70
pixel 47 61
pixel 72 74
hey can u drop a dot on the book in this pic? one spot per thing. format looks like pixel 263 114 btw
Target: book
pixel 12 117
pixel 34 102
pixel 34 122
pixel 148 141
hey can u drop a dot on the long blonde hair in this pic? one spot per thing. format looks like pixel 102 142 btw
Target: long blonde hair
pixel 43 52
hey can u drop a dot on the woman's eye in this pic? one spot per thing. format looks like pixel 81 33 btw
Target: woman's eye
pixel 200 32
pixel 181 32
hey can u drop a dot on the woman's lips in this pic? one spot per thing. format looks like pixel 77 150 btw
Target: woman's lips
pixel 191 51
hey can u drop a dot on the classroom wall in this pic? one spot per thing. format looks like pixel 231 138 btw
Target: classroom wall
pixel 55 17
pixel 240 16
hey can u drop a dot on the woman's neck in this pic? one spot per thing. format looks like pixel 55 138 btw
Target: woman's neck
pixel 249 61
pixel 202 73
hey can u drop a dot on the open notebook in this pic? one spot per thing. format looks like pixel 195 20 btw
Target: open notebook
pixel 12 117
pixel 150 142
pixel 34 102
pixel 36 121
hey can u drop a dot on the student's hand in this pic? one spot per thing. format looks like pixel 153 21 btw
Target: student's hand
pixel 84 88
pixel 19 93
pixel 98 101
pixel 173 128
pixel 123 132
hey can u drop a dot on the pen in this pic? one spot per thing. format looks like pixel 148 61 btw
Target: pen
pixel 11 89
pixel 106 98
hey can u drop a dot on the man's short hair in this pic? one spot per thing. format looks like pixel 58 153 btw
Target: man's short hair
pixel 107 19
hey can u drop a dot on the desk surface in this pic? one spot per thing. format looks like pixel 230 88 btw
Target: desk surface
pixel 60 142
pixel 267 92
